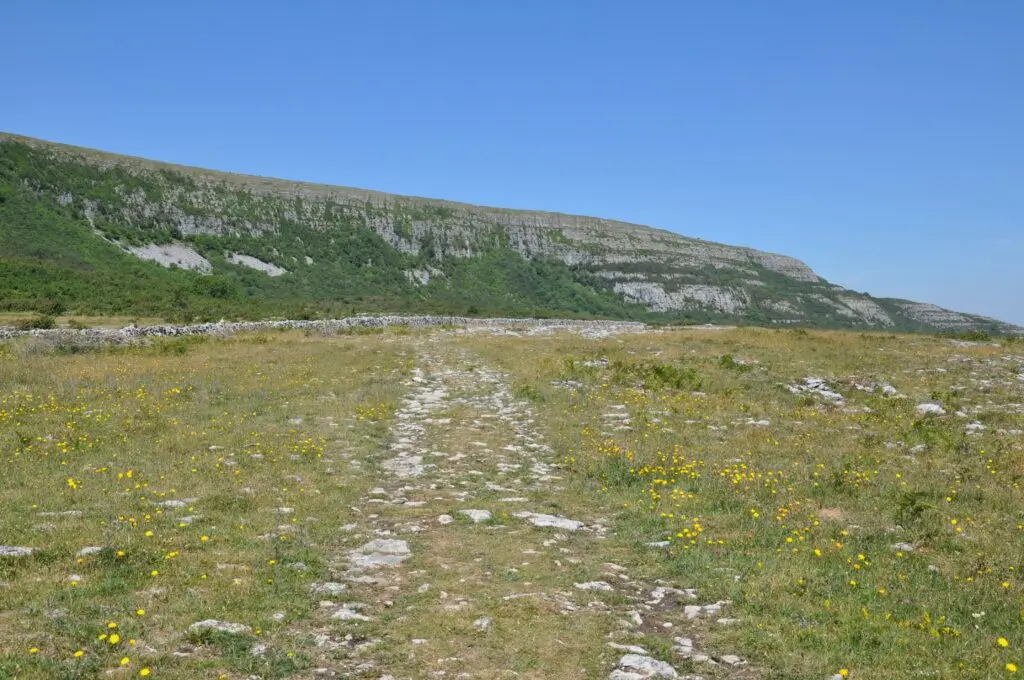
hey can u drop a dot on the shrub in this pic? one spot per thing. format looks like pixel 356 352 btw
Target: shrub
pixel 43 321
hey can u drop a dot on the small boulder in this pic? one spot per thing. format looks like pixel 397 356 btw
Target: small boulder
pixel 219 627
pixel 476 515
pixel 15 551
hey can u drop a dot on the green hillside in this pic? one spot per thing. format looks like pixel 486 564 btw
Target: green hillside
pixel 69 217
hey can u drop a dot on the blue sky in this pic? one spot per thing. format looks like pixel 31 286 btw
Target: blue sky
pixel 880 142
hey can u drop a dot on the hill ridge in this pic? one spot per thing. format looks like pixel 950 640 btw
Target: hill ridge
pixel 273 246
pixel 261 182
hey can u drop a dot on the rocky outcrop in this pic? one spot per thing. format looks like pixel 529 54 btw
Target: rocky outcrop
pixel 172 255
pixel 325 326
pixel 655 297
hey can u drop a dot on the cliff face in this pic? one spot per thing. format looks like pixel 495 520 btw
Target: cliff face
pixel 211 223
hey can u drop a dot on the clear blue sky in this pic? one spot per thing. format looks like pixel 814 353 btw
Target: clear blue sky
pixel 881 142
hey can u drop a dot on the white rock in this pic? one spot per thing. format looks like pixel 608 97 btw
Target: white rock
pixel 542 520
pixel 476 515
pixel 330 588
pixel 382 552
pixel 927 409
pixel 220 627
pixel 172 254
pixel 89 550
pixel 15 551
pixel 255 263
pixel 482 623
pixel 646 667
pixel 348 613
pixel 64 513
pixel 593 585
pixel 445 519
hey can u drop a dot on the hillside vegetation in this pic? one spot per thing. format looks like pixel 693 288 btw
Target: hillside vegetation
pixel 93 233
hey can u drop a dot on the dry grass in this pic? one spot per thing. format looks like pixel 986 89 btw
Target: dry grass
pixel 793 521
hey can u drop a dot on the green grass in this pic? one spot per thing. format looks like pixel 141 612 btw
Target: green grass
pixel 794 522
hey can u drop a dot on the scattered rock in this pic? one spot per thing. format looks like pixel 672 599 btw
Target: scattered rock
pixel 382 552
pixel 930 409
pixel 632 649
pixel 594 585
pixel 65 513
pixel 634 666
pixel 329 588
pixel 348 613
pixel 15 551
pixel 541 520
pixel 819 387
pixel 693 611
pixel 476 515
pixel 220 627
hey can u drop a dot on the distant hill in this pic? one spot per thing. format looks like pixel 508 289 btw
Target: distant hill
pixel 91 232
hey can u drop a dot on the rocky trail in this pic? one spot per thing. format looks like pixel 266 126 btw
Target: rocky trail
pixel 463 563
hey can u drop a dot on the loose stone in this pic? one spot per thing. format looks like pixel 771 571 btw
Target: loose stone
pixel 220 627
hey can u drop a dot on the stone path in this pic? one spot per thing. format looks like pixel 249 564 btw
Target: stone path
pixel 462 540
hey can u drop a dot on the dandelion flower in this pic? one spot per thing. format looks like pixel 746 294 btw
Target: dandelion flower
pixel 1003 642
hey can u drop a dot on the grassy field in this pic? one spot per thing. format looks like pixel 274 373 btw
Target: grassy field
pixel 715 510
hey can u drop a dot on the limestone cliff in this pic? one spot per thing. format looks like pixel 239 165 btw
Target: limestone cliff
pixel 202 220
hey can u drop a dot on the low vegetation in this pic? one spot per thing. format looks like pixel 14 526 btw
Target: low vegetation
pixel 808 527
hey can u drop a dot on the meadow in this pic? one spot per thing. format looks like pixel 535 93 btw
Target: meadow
pixel 522 502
